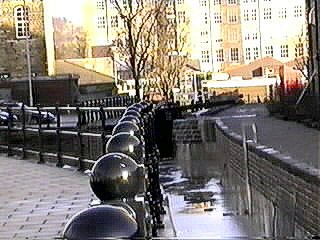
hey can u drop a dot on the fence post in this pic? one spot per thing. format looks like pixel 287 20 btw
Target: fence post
pixel 41 160
pixel 9 132
pixel 91 112
pixel 23 121
pixel 80 140
pixel 59 146
pixel 81 153
pixel 79 116
pixel 103 139
pixel 103 118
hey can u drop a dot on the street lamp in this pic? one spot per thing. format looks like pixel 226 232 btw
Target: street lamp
pixel 27 32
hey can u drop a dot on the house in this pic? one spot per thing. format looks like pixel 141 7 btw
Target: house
pixel 25 26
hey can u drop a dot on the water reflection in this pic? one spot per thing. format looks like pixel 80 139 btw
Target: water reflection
pixel 201 207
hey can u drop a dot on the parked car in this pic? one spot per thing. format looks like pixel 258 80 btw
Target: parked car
pixel 5 118
pixel 31 114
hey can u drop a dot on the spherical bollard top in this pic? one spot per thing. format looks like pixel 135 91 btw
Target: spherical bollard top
pixel 132 113
pixel 138 105
pixel 133 108
pixel 116 176
pixel 128 127
pixel 125 143
pixel 131 118
pixel 101 222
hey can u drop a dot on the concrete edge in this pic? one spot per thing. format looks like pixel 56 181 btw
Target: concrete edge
pixel 168 201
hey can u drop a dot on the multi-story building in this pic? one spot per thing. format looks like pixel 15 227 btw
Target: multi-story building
pixel 221 34
pixel 22 21
pixel 273 28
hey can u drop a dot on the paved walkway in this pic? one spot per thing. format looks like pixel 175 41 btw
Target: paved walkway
pixel 37 200
pixel 288 137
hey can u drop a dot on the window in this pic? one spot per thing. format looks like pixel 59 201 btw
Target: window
pixel 232 1
pixel 205 18
pixel 248 54
pixel 181 16
pixel 245 1
pixel 203 3
pixel 100 4
pixel 246 15
pixel 205 56
pixel 255 53
pixel 254 14
pixel 269 51
pixel 180 1
pixel 217 17
pixel 232 19
pixel 217 2
pixel 299 50
pixel 247 36
pixel 267 13
pixel 297 11
pixel 284 50
pixel 204 33
pixel 283 13
pixel 22 22
pixel 234 54
pixel 220 57
pixel 101 22
pixel 114 21
pixel 233 35
pixel 255 36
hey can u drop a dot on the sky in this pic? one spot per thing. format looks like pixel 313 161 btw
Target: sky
pixel 71 9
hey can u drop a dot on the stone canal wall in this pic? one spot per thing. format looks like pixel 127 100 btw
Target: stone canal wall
pixel 281 194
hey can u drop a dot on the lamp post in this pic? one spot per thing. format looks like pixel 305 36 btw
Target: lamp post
pixel 27 32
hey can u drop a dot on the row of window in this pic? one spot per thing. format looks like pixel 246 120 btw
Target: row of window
pixel 251 53
pixel 267 13
pixel 204 3
pixel 234 55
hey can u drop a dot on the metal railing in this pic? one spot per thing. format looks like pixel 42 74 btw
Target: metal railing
pixel 76 137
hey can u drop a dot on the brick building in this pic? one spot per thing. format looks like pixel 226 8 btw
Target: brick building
pixel 18 20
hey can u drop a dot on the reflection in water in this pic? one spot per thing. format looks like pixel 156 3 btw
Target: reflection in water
pixel 207 203
pixel 201 207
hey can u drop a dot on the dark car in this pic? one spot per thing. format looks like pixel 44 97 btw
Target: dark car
pixel 30 113
pixel 5 118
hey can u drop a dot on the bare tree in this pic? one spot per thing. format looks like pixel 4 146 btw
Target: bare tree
pixel 302 60
pixel 136 39
pixel 80 44
pixel 169 58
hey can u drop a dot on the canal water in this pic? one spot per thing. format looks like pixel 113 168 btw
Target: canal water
pixel 201 207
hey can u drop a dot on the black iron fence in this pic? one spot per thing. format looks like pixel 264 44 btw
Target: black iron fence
pixel 76 136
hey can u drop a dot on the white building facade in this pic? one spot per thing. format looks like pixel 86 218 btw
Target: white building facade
pixel 273 28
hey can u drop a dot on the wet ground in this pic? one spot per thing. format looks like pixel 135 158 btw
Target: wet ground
pixel 201 207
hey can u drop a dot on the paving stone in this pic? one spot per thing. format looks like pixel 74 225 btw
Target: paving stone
pixel 39 199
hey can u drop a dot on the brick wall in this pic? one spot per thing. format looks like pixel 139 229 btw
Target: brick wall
pixel 291 189
pixel 13 50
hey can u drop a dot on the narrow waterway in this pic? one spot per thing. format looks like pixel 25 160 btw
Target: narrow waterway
pixel 200 206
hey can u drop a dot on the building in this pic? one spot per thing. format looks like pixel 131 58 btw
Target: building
pixel 26 25
pixel 221 34
pixel 273 28
pixel 92 84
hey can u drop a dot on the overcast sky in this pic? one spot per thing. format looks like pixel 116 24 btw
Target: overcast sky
pixel 71 9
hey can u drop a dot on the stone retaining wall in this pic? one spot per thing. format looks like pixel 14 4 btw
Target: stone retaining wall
pixel 291 187
pixel 281 194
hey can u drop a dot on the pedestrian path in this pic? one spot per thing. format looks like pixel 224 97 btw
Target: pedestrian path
pixel 37 200
pixel 288 137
